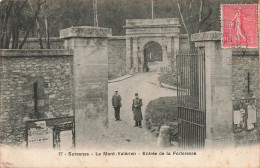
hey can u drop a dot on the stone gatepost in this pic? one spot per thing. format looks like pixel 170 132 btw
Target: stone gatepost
pixel 90 75
pixel 218 72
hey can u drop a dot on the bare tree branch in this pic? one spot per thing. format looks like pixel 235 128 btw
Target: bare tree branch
pixel 47 37
pixel 31 25
pixel 179 8
pixel 3 36
pixel 200 14
pixel 37 26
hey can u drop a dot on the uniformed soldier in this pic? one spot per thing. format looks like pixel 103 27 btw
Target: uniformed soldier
pixel 116 103
pixel 136 108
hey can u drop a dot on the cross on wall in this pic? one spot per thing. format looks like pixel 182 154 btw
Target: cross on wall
pixel 248 82
pixel 35 97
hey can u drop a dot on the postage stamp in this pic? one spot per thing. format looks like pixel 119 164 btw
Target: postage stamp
pixel 239 25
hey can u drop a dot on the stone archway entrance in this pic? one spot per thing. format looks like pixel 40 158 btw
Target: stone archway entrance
pixel 164 32
pixel 153 54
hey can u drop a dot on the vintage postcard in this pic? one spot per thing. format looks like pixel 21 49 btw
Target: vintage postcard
pixel 129 83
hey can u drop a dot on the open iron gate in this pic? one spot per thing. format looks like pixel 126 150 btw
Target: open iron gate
pixel 191 99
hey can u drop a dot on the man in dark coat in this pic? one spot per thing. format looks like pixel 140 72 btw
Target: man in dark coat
pixel 116 103
pixel 136 108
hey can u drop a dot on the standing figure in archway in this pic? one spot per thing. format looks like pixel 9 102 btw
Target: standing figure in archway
pixel 153 56
pixel 136 108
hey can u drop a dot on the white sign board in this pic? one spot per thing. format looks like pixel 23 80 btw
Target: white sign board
pixel 66 141
pixel 40 138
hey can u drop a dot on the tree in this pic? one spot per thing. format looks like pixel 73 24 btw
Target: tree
pixel 186 10
pixel 31 24
pixel 47 33
pixel 38 26
pixel 18 17
pixel 108 15
pixel 190 11
pixel 187 32
pixel 25 19
pixel 6 7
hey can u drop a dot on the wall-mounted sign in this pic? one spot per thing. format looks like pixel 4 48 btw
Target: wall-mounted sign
pixel 40 138
pixel 51 133
pixel 244 114
pixel 66 139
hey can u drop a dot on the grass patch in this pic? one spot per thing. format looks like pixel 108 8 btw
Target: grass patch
pixel 168 79
pixel 161 111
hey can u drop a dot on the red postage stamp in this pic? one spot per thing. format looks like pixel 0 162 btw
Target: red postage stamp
pixel 239 25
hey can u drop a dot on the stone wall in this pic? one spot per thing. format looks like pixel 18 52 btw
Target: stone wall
pixel 33 43
pixel 116 52
pixel 244 62
pixel 22 70
pixel 184 45
pixel 116 57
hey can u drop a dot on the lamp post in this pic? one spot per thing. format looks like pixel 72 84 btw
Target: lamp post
pixel 95 13
pixel 152 8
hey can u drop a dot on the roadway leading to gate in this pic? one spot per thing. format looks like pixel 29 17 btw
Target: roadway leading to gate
pixel 123 134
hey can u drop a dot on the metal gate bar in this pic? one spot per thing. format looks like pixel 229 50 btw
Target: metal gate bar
pixel 191 99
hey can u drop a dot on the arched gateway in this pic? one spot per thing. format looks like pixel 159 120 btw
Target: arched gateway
pixel 152 54
pixel 162 34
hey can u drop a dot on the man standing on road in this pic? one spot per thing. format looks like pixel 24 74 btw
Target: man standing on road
pixel 136 108
pixel 116 103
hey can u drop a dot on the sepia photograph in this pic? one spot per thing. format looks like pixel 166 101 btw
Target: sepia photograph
pixel 129 83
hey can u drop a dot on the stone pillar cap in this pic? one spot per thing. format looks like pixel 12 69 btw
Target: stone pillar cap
pixel 206 36
pixel 85 31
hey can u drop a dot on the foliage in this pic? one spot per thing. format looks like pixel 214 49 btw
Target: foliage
pixel 44 18
pixel 18 18
pixel 111 75
pixel 161 111
pixel 168 79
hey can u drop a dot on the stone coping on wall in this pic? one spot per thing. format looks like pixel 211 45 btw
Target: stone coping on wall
pixel 85 31
pixel 34 53
pixel 33 39
pixel 152 22
pixel 245 52
pixel 152 26
pixel 136 35
pixel 117 38
pixel 206 36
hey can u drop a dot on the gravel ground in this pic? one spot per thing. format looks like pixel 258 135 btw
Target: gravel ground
pixel 123 134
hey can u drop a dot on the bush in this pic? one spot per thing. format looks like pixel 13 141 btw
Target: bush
pixel 111 76
pixel 161 111
pixel 168 79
